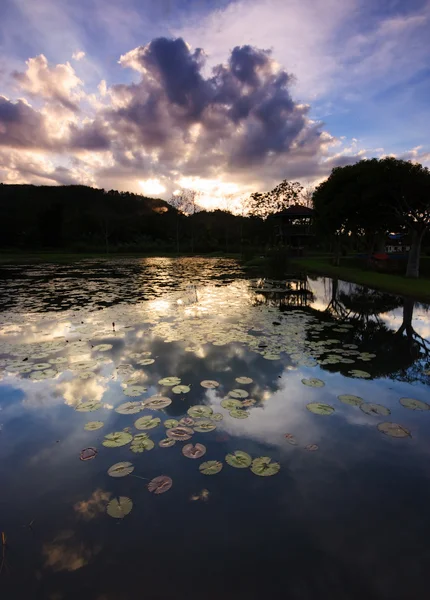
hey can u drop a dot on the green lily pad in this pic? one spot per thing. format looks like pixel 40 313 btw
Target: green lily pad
pixel 181 389
pixel 89 406
pixel 93 425
pixel 374 409
pixel 170 381
pixel 166 443
pixel 200 411
pixel 230 403
pixel 244 380
pixel 318 408
pixel 237 413
pixel 413 404
pixel 239 459
pixel 180 433
pixel 360 374
pixel 147 422
pixel 135 390
pixel 160 484
pixel 313 382
pixel 102 347
pixel 204 425
pixel 264 466
pixel 118 508
pixel 209 384
pixel 170 423
pixel 186 422
pixel 210 467
pixel 157 402
pixel 194 451
pixel 238 394
pixel 141 444
pixel 270 356
pixel 129 408
pixel 351 399
pixel 117 439
pixel 146 361
pixel 120 469
pixel 217 417
pixel 394 430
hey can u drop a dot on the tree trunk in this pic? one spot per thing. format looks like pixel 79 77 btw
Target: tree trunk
pixel 177 233
pixel 413 268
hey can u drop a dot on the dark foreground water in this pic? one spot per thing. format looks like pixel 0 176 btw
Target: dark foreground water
pixel 329 381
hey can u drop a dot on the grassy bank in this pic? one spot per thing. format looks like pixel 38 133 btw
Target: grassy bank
pixel 395 284
pixel 7 258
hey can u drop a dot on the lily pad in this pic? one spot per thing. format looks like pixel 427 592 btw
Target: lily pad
pixel 157 402
pixel 313 382
pixel 237 413
pixel 147 422
pixel 374 409
pixel 360 374
pixel 170 423
pixel 291 439
pixel 209 384
pixel 181 389
pixel 118 508
pixel 146 361
pixel 239 459
pixel 264 466
pixel 238 394
pixel 170 381
pixel 93 425
pixel 194 451
pixel 89 406
pixel 248 402
pixel 231 403
pixel 210 467
pixel 180 433
pixel 141 444
pixel 311 447
pixel 413 404
pixel 88 453
pixel 160 484
pixel 394 430
pixel 129 408
pixel 204 425
pixel 351 399
pixel 244 380
pixel 186 422
pixel 102 347
pixel 217 417
pixel 117 439
pixel 199 411
pixel 120 469
pixel 135 390
pixel 166 443
pixel 318 408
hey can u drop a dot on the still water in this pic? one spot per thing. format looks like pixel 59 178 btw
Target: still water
pixel 322 387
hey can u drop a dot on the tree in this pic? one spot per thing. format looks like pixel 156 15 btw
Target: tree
pixel 281 197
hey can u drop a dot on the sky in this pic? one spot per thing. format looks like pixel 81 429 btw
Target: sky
pixel 224 97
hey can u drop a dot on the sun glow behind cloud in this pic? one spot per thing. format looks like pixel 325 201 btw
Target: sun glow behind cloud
pixel 152 187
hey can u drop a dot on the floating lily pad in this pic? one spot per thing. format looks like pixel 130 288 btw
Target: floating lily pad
pixel 135 390
pixel 360 374
pixel 170 423
pixel 160 484
pixel 166 443
pixel 129 408
pixel 239 459
pixel 248 402
pixel 291 439
pixel 244 380
pixel 88 453
pixel 203 495
pixel 217 417
pixel 204 425
pixel 413 404
pixel 180 433
pixel 157 402
pixel 117 439
pixel 351 399
pixel 141 444
pixel 186 422
pixel 93 425
pixel 374 409
pixel 238 394
pixel 313 382
pixel 237 413
pixel 200 411
pixel 170 381
pixel 181 389
pixel 318 408
pixel 394 430
pixel 209 384
pixel 311 447
pixel 231 403
pixel 146 361
pixel 89 406
pixel 120 469
pixel 147 422
pixel 264 466
pixel 102 347
pixel 118 508
pixel 194 451
pixel 271 356
pixel 210 467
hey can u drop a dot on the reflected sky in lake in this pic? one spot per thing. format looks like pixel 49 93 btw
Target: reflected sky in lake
pixel 345 517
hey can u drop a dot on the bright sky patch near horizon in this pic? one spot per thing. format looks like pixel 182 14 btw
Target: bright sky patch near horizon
pixel 224 97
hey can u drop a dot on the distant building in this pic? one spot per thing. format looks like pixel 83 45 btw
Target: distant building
pixel 294 227
pixel 397 243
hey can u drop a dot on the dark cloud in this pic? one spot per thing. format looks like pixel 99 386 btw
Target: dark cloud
pixel 21 126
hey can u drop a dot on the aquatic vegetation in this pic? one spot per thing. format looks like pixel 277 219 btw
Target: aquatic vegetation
pixel 160 484
pixel 210 467
pixel 414 404
pixel 93 425
pixel 264 467
pixel 147 422
pixel 239 459
pixel 121 469
pixel 118 508
pixel 319 408
pixel 194 451
pixel 394 430
pixel 117 439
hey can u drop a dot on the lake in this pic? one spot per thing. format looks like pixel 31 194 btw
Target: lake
pixel 183 428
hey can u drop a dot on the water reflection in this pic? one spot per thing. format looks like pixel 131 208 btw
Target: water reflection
pixel 329 513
